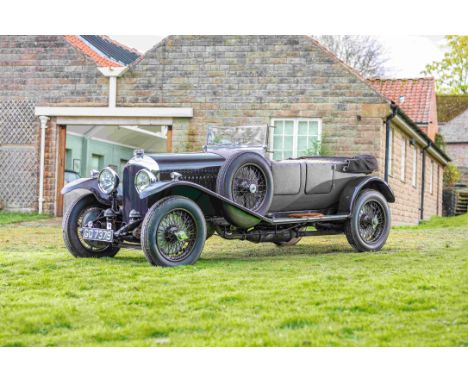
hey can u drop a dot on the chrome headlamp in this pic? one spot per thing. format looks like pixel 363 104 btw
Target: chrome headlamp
pixel 108 180
pixel 143 179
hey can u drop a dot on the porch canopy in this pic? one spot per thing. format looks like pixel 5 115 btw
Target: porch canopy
pixel 125 120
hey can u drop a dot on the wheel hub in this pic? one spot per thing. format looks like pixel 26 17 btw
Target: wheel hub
pixel 371 221
pixel 366 220
pixel 173 233
pixel 249 186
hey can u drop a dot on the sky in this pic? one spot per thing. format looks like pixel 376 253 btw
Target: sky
pixel 407 55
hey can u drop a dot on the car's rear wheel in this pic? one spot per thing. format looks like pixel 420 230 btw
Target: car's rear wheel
pixel 86 211
pixel 369 225
pixel 246 179
pixel 173 232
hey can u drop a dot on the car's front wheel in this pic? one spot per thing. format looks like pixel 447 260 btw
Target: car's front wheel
pixel 369 225
pixel 86 211
pixel 173 232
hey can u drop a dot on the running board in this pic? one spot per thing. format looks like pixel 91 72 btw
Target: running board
pixel 307 219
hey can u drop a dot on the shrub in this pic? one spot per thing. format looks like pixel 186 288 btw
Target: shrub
pixel 451 175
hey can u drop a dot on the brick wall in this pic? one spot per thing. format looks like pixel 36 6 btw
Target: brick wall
pixel 38 71
pixel 50 167
pixel 406 209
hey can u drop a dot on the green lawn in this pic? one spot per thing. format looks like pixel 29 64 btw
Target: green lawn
pixel 17 217
pixel 319 293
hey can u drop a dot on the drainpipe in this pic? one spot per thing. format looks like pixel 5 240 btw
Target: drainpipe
pixel 423 179
pixel 43 120
pixel 113 73
pixel 388 122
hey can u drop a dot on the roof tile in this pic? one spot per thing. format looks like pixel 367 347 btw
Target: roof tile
pixel 413 95
pixel 100 60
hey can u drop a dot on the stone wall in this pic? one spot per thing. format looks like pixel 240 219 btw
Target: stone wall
pixel 38 71
pixel 227 80
pixel 236 80
pixel 459 154
pixel 455 133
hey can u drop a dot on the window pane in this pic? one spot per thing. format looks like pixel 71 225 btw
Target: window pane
pixel 313 146
pixel 287 154
pixel 277 155
pixel 302 128
pixel 313 128
pixel 288 143
pixel 288 127
pixel 302 143
pixel 278 130
pixel 277 142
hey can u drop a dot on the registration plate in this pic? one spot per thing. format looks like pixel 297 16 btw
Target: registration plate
pixel 98 234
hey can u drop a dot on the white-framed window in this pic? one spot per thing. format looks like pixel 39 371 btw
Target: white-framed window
pixel 403 160
pixel 390 152
pixel 295 137
pixel 415 165
pixel 431 176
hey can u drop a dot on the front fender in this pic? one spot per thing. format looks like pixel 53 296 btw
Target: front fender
pixel 352 189
pixel 211 203
pixel 91 185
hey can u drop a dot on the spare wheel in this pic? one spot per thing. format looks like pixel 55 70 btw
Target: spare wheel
pixel 246 179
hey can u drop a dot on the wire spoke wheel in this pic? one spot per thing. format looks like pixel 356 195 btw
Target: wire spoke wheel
pixel 249 186
pixel 371 221
pixel 176 235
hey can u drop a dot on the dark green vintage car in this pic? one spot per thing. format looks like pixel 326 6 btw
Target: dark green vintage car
pixel 169 204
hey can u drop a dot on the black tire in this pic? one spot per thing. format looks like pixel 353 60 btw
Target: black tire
pixel 370 222
pixel 252 168
pixel 167 219
pixel 82 210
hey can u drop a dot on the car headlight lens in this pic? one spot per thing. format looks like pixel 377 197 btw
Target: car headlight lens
pixel 108 180
pixel 143 179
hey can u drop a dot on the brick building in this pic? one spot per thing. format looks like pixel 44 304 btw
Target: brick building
pixel 453 122
pixel 416 98
pixel 186 83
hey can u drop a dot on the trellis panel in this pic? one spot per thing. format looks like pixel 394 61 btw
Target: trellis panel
pixel 18 154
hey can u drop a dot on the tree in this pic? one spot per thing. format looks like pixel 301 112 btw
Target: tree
pixel 451 71
pixel 366 54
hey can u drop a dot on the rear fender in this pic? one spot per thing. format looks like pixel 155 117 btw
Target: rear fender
pixel 211 203
pixel 90 184
pixel 353 188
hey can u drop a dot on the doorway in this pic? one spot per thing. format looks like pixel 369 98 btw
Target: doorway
pixel 83 148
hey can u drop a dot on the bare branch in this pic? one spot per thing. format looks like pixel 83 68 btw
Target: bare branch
pixel 366 54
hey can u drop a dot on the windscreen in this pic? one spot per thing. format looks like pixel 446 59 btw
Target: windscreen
pixel 237 136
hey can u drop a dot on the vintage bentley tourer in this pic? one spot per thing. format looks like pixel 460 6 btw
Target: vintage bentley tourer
pixel 170 204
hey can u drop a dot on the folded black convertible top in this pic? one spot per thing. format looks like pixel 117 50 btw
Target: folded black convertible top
pixel 360 164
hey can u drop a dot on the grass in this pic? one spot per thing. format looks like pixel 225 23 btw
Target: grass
pixel 442 222
pixel 318 293
pixel 18 217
